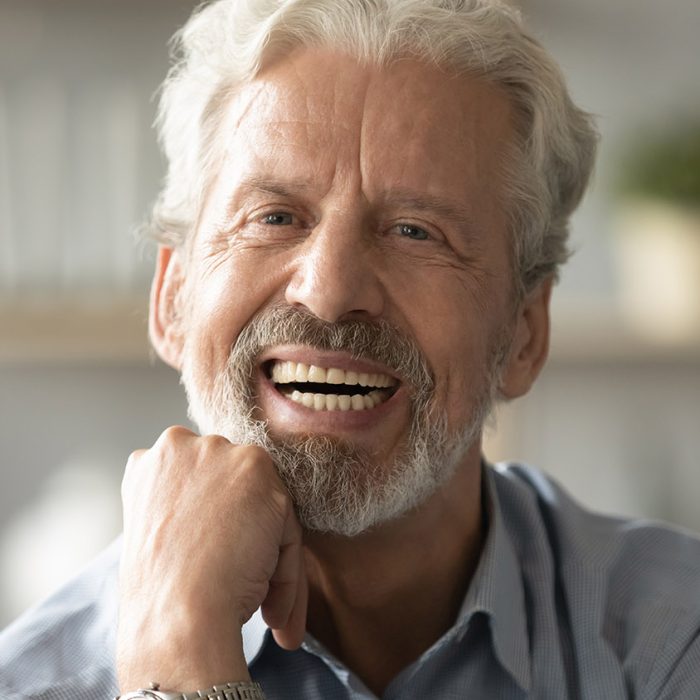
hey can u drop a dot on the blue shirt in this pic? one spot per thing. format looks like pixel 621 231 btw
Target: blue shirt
pixel 564 604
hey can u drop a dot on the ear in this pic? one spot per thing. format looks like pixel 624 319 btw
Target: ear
pixel 165 314
pixel 530 344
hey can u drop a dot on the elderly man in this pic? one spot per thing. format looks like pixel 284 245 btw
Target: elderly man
pixel 365 209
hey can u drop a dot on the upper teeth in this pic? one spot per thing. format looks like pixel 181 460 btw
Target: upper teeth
pixel 286 372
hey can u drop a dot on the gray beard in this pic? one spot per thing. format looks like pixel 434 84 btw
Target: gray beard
pixel 336 486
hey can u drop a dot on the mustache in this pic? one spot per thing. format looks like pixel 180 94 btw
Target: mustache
pixel 378 341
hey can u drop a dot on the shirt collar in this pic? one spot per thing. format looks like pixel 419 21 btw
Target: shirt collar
pixel 497 590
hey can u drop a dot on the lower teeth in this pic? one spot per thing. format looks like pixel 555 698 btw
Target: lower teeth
pixel 336 402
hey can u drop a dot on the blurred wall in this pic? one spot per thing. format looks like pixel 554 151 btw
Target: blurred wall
pixel 615 416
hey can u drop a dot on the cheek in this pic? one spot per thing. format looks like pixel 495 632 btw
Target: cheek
pixel 455 331
pixel 451 340
pixel 225 296
pixel 459 366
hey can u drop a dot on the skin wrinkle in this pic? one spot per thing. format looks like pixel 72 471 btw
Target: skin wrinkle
pixel 373 489
pixel 361 144
pixel 387 269
pixel 338 123
pixel 233 399
pixel 405 199
pixel 213 128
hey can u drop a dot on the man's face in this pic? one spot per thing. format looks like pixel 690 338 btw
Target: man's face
pixel 363 198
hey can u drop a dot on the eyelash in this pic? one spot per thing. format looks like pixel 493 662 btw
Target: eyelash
pixel 277 214
pixel 405 230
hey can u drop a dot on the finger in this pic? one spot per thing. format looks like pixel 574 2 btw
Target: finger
pixel 292 634
pixel 282 593
pixel 173 434
pixel 131 463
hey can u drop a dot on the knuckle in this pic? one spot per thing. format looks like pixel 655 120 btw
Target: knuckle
pixel 211 448
pixel 281 500
pixel 174 434
pixel 255 471
pixel 213 442
pixel 254 457
pixel 133 461
pixel 135 457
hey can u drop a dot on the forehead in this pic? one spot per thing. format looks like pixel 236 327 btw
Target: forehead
pixel 319 116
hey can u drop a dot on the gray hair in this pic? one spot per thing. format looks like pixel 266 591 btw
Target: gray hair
pixel 227 42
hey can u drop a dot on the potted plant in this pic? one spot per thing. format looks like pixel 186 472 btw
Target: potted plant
pixel 658 227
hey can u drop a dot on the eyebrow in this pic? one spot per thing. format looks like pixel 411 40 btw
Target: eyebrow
pixel 276 187
pixel 422 201
pixel 410 199
pixel 264 185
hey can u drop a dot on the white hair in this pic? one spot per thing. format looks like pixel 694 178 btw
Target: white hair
pixel 338 486
pixel 227 42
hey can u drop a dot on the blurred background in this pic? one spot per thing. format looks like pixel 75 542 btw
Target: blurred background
pixel 615 416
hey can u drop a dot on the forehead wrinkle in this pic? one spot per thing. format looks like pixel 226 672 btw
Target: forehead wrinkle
pixel 362 163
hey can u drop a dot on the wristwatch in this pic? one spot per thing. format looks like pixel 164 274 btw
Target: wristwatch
pixel 229 691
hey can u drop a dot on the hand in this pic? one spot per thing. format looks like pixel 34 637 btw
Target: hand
pixel 210 535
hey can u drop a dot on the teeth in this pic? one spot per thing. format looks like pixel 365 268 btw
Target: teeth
pixel 317 374
pixel 300 373
pixel 336 402
pixel 287 372
pixel 335 376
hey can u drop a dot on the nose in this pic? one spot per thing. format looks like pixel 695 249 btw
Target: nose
pixel 335 275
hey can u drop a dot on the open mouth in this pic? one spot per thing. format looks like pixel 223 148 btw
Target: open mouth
pixel 330 388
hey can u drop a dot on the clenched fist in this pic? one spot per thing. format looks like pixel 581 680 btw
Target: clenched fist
pixel 210 535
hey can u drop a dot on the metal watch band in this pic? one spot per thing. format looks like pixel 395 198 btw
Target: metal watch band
pixel 229 691
pixel 242 690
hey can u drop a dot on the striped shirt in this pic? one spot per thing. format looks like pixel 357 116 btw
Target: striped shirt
pixel 565 604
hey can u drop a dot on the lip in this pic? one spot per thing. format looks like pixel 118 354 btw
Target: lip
pixel 326 359
pixel 287 416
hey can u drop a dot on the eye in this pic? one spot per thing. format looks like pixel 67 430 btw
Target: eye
pixel 414 232
pixel 278 218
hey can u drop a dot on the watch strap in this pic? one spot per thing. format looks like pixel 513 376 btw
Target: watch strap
pixel 242 690
pixel 228 691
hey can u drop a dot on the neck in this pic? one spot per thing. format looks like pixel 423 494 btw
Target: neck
pixel 379 600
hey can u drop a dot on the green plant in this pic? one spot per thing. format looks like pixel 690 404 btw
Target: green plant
pixel 665 166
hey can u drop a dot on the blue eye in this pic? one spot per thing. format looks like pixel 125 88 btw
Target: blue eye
pixel 278 219
pixel 414 232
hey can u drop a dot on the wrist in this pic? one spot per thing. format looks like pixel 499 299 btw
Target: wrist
pixel 183 675
pixel 180 656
